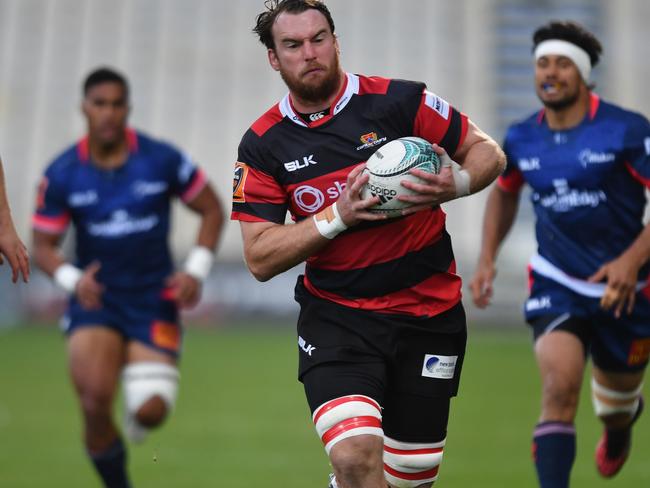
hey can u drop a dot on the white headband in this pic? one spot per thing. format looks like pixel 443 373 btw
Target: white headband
pixel 563 48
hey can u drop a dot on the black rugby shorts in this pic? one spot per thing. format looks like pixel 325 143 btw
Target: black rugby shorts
pixel 411 366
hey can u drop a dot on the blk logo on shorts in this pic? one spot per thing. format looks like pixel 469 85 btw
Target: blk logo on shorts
pixel 308 348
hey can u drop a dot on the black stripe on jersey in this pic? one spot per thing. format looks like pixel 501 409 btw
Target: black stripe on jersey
pixel 392 276
pixel 452 137
pixel 266 211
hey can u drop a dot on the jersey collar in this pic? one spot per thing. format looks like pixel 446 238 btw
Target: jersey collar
pixel 594 103
pixel 350 88
pixel 83 148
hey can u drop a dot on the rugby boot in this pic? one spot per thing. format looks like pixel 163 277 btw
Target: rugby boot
pixel 614 447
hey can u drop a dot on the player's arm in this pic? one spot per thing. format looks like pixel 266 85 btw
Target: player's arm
pixel 82 283
pixel 500 213
pixel 271 248
pixel 622 275
pixel 481 160
pixel 11 247
pixel 186 284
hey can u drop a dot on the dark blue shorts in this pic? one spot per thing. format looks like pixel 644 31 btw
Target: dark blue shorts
pixel 616 345
pixel 149 316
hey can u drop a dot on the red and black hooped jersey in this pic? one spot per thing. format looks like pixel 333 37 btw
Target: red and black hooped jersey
pixel 400 266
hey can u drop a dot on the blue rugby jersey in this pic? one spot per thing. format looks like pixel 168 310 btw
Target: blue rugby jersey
pixel 121 216
pixel 588 185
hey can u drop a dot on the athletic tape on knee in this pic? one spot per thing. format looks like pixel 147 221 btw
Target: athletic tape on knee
pixel 345 417
pixel 144 380
pixel 610 402
pixel 408 464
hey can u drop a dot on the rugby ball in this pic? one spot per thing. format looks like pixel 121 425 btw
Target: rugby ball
pixel 390 164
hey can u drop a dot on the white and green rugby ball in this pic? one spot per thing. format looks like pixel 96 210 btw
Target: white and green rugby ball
pixel 390 164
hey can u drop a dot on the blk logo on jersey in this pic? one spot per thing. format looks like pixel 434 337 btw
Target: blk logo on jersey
pixel 297 164
pixel 370 140
pixel 83 198
pixel 528 164
pixel 239 179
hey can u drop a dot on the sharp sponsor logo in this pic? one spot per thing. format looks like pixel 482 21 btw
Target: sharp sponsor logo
pixel 587 157
pixel 307 348
pixel 297 164
pixel 310 199
pixel 538 303
pixel 371 139
pixel 528 164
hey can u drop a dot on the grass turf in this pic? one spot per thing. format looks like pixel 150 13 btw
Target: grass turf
pixel 241 419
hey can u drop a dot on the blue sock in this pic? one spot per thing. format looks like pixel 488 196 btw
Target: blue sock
pixel 554 450
pixel 111 465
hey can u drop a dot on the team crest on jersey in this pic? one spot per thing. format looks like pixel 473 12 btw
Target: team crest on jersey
pixel 639 352
pixel 241 171
pixel 370 139
pixel 165 335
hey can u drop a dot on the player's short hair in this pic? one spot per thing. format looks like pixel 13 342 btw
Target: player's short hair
pixel 265 20
pixel 105 75
pixel 572 32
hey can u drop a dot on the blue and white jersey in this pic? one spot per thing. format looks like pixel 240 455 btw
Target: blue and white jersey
pixel 121 216
pixel 588 186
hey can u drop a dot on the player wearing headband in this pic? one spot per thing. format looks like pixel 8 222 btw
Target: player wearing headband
pixel 588 164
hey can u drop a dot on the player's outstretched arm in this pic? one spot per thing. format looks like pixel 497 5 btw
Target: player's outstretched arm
pixel 271 249
pixel 481 160
pixel 187 283
pixel 622 275
pixel 500 213
pixel 11 247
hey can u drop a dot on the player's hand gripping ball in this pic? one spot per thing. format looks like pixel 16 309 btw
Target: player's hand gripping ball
pixel 390 165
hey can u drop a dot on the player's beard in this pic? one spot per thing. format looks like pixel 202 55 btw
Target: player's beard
pixel 315 92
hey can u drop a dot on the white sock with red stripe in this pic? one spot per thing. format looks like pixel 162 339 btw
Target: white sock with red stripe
pixel 409 464
pixel 345 417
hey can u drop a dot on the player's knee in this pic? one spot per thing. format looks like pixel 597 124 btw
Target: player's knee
pixel 96 404
pixel 561 394
pixel 608 402
pixel 410 465
pixel 150 390
pixel 356 457
pixel 346 417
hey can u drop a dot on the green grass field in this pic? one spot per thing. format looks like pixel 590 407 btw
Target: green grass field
pixel 241 420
